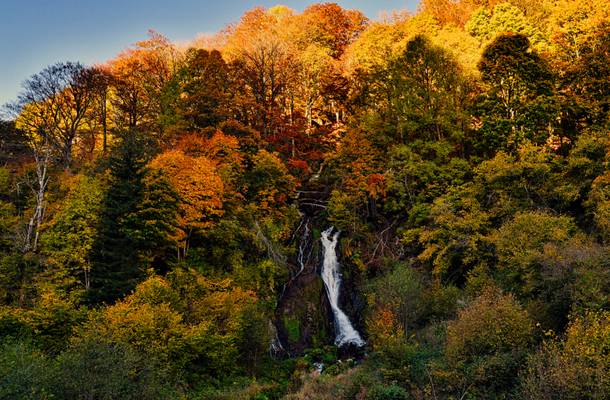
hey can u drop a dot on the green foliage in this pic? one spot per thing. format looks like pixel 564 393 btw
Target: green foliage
pixel 474 209
pixel 454 240
pixel 344 210
pixel 92 369
pixel 396 304
pixel 599 204
pixel 487 343
pixel 152 225
pixel 387 393
pixel 421 171
pixel 530 179
pixel 17 274
pixel 25 373
pixel 574 368
pixel 49 325
pixel 136 223
pixel 96 369
pixel 268 182
pixel 292 328
pixel 5 181
pixel 485 25
pixel 196 97
pixel 518 104
pixel 491 324
pixel 190 324
pixel 420 94
pixel 68 241
pixel 586 160
pixel 522 241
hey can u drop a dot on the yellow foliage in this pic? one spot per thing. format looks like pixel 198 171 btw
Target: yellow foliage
pixel 491 324
pixel 577 368
pixel 198 184
pixel 572 23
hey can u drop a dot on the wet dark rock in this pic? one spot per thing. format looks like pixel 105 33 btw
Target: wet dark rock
pixel 304 318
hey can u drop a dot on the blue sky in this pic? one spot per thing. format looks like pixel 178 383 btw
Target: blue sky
pixel 36 33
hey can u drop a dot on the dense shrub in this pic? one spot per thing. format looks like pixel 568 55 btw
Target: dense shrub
pixel 575 368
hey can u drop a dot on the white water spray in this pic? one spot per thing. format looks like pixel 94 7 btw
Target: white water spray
pixel 301 257
pixel 332 281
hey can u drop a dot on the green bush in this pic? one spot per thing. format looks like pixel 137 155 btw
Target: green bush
pixel 25 373
pixel 392 392
pixel 93 369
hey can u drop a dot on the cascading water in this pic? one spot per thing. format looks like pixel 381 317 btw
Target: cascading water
pixel 302 256
pixel 346 334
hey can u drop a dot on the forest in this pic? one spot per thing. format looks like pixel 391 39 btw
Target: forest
pixel 169 218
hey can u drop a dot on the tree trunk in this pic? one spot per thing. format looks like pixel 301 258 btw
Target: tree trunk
pixel 42 179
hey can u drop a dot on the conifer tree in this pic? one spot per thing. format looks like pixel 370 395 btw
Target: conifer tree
pixel 136 223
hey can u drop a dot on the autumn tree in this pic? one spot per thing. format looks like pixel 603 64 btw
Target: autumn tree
pixel 53 105
pixel 487 343
pixel 69 238
pixel 375 46
pixel 101 81
pixel 574 23
pixel 139 76
pixel 485 25
pixel 17 263
pixel 576 367
pixel 449 12
pixel 263 61
pixel 396 303
pixel 268 182
pixel 584 84
pixel 200 190
pixel 51 111
pixel 331 27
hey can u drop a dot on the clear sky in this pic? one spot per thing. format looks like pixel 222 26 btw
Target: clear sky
pixel 36 33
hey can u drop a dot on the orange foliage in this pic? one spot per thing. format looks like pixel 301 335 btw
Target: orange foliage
pixel 139 75
pixel 376 185
pixel 449 12
pixel 300 165
pixel 199 186
pixel 383 327
pixel 331 26
pixel 457 13
pixel 192 145
pixel 221 148
pixel 363 163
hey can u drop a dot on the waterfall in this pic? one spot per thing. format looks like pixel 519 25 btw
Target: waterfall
pixel 275 344
pixel 302 257
pixel 332 281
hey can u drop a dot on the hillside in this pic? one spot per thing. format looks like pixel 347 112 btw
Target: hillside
pixel 314 205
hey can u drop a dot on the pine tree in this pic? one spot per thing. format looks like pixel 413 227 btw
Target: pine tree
pixel 136 222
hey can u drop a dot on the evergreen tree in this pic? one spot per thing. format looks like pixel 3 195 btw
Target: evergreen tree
pixel 136 222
